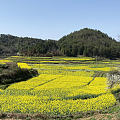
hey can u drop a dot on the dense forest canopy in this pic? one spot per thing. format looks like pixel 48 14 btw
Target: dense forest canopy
pixel 13 45
pixel 87 42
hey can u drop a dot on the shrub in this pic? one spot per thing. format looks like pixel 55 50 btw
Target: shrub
pixel 15 74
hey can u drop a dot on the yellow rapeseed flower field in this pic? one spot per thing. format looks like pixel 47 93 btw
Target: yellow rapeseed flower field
pixel 23 65
pixel 4 61
pixel 60 89
pixel 78 58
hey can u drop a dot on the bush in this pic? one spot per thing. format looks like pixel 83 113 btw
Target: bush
pixel 15 74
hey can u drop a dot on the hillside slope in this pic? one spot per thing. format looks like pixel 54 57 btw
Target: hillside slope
pixel 89 42
pixel 13 45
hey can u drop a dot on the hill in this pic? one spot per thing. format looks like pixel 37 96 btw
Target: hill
pixel 89 42
pixel 13 45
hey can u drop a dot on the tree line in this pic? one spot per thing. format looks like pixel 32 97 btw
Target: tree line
pixel 87 42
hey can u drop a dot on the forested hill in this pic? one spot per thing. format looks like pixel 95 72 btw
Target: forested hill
pixel 13 45
pixel 87 42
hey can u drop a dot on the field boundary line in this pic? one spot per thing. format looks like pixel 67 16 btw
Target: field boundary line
pixel 45 82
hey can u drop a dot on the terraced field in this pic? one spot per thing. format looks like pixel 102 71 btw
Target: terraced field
pixel 64 86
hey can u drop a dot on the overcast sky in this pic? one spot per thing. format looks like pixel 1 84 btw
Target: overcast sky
pixel 52 19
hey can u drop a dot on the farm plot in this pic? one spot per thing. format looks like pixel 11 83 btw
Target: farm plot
pixel 60 89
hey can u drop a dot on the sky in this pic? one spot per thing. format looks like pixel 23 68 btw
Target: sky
pixel 52 19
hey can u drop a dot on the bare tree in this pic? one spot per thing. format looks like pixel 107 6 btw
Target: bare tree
pixel 113 78
pixel 118 39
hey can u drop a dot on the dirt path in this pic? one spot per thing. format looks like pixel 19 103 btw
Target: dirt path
pixel 102 117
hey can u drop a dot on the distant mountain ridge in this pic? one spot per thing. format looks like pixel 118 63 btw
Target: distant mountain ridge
pixel 87 42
